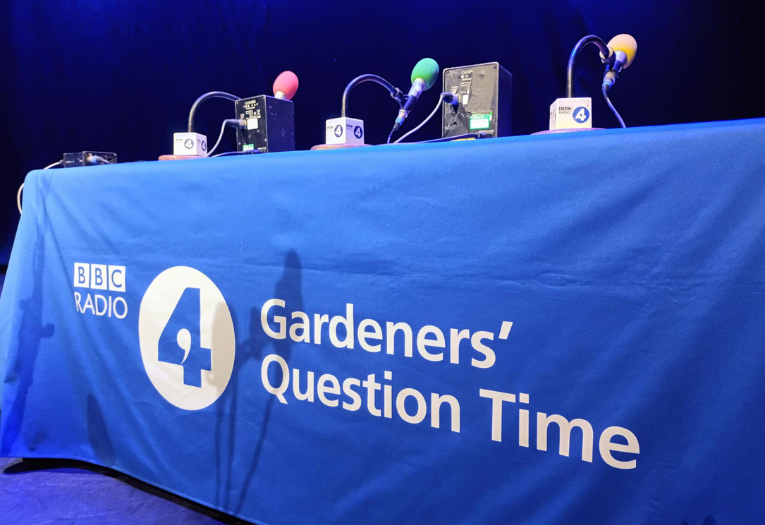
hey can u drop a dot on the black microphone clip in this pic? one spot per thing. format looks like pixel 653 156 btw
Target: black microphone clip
pixel 398 96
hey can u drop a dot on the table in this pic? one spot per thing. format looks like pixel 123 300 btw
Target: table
pixel 545 329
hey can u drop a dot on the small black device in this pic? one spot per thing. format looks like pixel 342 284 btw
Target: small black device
pixel 485 92
pixel 88 158
pixel 269 124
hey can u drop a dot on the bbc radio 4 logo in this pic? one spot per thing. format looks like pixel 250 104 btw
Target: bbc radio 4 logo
pixel 99 285
pixel 187 340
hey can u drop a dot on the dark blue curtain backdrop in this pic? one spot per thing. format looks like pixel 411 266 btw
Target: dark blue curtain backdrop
pixel 121 75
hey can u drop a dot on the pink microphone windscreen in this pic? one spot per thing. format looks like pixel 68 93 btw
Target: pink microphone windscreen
pixel 287 83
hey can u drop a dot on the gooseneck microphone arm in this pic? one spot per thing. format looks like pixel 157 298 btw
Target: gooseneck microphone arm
pixel 395 92
pixel 207 96
pixel 589 39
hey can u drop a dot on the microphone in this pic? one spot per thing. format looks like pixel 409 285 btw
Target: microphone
pixel 424 76
pixel 574 113
pixel 286 85
pixel 624 48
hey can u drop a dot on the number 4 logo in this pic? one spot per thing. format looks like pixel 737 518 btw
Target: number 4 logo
pixel 180 342
pixel 187 338
pixel 581 114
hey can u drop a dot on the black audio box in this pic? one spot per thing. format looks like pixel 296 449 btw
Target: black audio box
pixel 484 92
pixel 270 124
pixel 88 158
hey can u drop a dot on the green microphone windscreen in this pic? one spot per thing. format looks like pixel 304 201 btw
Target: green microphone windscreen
pixel 426 69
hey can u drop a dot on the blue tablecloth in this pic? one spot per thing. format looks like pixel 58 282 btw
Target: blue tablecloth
pixel 545 329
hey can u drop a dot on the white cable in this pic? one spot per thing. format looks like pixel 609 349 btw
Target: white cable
pixel 220 137
pixel 435 110
pixel 18 197
pixel 233 122
pixel 21 188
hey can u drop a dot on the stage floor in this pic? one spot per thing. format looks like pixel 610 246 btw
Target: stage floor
pixel 41 491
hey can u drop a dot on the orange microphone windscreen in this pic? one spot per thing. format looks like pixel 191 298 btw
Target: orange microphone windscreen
pixel 627 45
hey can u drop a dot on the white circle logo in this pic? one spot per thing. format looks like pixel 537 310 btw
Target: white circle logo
pixel 187 338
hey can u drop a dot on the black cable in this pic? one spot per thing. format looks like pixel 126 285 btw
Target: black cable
pixel 208 96
pixel 237 153
pixel 610 105
pixel 453 138
pixel 589 39
pixel 97 160
pixel 395 92
pixel 466 136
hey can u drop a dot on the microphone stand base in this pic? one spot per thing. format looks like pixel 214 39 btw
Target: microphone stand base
pixel 319 147
pixel 566 130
